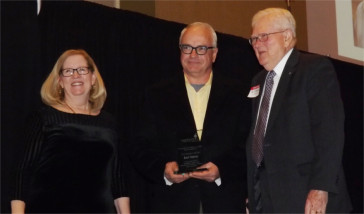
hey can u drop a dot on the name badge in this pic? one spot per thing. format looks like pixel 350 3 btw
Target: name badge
pixel 254 91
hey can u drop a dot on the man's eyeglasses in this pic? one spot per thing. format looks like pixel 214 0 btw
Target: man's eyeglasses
pixel 261 37
pixel 69 71
pixel 200 50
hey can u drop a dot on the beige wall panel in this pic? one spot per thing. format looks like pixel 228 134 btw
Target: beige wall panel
pixel 232 17
pixel 109 3
pixel 316 20
pixel 322 30
pixel 145 7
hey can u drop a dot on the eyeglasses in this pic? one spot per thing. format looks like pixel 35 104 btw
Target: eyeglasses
pixel 200 50
pixel 69 71
pixel 262 37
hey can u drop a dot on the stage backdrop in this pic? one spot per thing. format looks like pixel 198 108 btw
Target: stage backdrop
pixel 132 51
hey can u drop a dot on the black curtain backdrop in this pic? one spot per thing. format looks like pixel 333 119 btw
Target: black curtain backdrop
pixel 131 51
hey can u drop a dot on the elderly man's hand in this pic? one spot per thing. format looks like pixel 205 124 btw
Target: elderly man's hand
pixel 316 202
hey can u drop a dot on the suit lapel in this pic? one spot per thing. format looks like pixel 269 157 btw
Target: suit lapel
pixel 178 100
pixel 216 99
pixel 282 88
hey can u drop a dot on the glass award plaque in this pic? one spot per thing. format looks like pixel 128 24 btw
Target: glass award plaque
pixel 189 155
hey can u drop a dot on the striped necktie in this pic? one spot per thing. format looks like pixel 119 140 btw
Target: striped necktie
pixel 257 148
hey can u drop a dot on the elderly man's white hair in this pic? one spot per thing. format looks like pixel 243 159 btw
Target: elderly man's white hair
pixel 282 19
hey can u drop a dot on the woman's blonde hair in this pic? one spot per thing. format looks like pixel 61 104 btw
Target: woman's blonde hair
pixel 52 93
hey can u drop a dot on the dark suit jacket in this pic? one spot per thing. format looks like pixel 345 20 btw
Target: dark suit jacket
pixel 168 119
pixel 304 139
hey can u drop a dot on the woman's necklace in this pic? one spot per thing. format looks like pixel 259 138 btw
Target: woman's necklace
pixel 69 107
pixel 89 112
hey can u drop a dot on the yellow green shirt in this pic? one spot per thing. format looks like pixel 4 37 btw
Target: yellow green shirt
pixel 198 101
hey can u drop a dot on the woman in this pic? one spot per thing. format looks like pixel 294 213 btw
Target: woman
pixel 71 162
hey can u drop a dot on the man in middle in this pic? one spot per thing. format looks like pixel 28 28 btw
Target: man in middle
pixel 203 108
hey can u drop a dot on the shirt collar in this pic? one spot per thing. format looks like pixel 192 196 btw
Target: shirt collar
pixel 280 66
pixel 207 83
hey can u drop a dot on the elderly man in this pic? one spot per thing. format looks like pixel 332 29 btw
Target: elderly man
pixel 296 141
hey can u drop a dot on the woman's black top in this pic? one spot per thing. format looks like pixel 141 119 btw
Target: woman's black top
pixel 72 163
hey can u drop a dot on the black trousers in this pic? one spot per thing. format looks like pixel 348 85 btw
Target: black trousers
pixel 263 202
